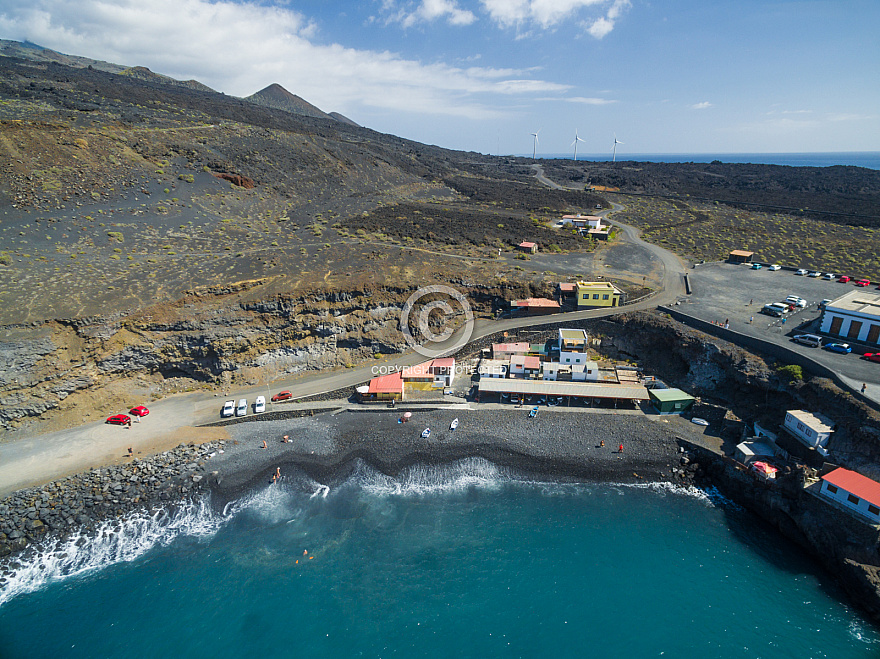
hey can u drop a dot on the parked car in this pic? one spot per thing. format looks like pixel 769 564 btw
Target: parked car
pixel 282 395
pixel 756 266
pixel 863 282
pixel 824 303
pixel 810 340
pixel 775 267
pixel 241 410
pixel 842 348
pixel 801 272
pixel 773 310
pixel 228 408
pixel 140 411
pixel 260 405
pixel 844 279
pixel 872 356
pixel 815 273
pixel 829 276
pixel 119 420
pixel 796 301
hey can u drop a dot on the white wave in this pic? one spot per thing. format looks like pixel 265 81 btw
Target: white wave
pixel 420 480
pixel 321 491
pixel 114 541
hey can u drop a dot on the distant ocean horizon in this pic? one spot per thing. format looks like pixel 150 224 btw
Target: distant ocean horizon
pixel 868 159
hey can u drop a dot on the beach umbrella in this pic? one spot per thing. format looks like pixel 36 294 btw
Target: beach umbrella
pixel 407 415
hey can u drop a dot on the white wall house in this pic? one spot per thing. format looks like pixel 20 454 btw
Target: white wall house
pixel 853 491
pixel 854 316
pixel 493 368
pixel 814 430
pixel 586 372
pixel 573 346
pixel 524 366
pixel 550 370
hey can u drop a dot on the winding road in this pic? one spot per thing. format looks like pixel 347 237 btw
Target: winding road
pixel 34 460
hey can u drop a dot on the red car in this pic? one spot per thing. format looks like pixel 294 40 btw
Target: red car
pixel 283 395
pixel 119 420
pixel 873 356
pixel 140 411
pixel 863 282
pixel 844 279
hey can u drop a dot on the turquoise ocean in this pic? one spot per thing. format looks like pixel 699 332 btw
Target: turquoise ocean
pixel 463 560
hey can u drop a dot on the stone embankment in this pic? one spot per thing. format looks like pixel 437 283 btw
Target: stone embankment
pixel 82 501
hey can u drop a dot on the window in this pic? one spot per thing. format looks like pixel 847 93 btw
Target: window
pixel 801 426
pixel 831 488
pixel 595 296
pixel 874 510
pixel 605 297
pixel 586 296
pixel 852 498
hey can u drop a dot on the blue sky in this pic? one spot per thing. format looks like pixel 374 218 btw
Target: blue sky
pixel 664 76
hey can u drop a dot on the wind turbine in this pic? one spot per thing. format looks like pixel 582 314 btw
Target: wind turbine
pixel 575 143
pixel 535 148
pixel 614 153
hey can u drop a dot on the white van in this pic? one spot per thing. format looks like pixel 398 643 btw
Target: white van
pixel 241 410
pixel 260 405
pixel 809 340
pixel 775 309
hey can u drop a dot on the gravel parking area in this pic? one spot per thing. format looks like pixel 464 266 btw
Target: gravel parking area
pixel 724 292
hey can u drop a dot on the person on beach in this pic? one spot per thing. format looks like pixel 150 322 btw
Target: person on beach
pixel 286 440
pixel 620 449
pixel 864 387
pixel 602 444
pixel 265 445
pixel 278 473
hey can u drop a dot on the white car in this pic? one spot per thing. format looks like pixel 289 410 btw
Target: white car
pixel 829 276
pixel 228 408
pixel 774 267
pixel 796 301
pixel 241 410
pixel 260 405
pixel 815 273
pixel 801 272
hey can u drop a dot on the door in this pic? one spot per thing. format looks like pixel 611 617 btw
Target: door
pixel 874 334
pixel 855 327
pixel 836 322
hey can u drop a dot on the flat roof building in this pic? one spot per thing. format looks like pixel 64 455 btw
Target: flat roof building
pixel 670 401
pixel 740 256
pixel 854 316
pixel 813 430
pixel 597 294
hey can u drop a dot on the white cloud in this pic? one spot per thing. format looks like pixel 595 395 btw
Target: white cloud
pixel 550 13
pixel 426 11
pixel 241 48
pixel 701 106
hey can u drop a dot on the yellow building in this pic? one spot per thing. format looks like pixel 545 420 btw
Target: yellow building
pixel 597 294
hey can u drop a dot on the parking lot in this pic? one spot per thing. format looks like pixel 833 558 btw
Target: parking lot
pixel 734 294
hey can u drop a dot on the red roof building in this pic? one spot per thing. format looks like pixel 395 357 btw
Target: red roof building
pixel 854 491
pixel 535 306
pixel 386 387
pixel 529 248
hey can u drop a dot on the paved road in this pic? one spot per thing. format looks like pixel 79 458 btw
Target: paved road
pixel 32 460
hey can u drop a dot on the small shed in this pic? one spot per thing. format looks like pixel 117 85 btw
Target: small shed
pixel 535 306
pixel 670 401
pixel 528 248
pixel 748 451
pixel 740 256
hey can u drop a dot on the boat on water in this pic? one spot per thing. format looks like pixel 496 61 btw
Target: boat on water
pixel 454 424
pixel 426 433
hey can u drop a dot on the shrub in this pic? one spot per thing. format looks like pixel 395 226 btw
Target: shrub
pixel 116 235
pixel 791 373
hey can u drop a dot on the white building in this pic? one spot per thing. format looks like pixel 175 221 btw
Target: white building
pixel 550 370
pixel 586 372
pixel 748 451
pixel 524 366
pixel 854 316
pixel 853 491
pixel 573 346
pixel 814 430
pixel 493 368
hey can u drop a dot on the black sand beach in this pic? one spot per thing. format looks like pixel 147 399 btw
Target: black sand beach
pixel 557 444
